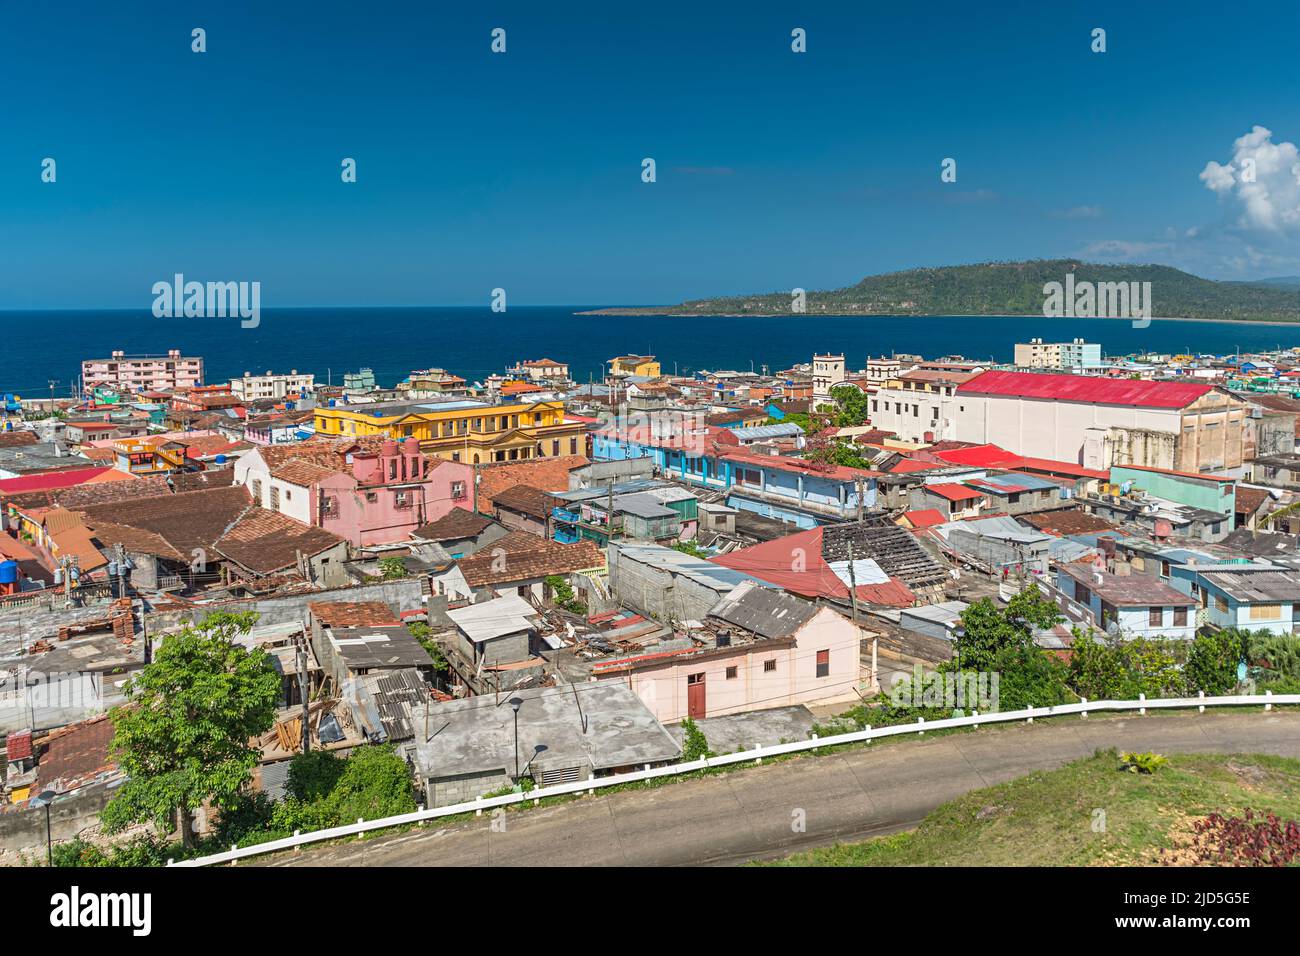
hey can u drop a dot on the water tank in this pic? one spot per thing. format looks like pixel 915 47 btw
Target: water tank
pixel 221 459
pixel 8 572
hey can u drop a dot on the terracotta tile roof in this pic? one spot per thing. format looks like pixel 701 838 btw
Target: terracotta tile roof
pixel 303 473
pixel 75 755
pixel 331 452
pixel 266 541
pixel 545 474
pixel 457 523
pixel 352 613
pixel 518 564
pixel 16 439
pixel 79 543
pixel 1249 500
pixel 526 500
pixel 135 540
pixel 187 520
pixel 18 745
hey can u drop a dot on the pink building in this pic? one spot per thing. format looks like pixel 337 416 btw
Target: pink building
pixel 141 373
pixel 366 494
pixel 758 648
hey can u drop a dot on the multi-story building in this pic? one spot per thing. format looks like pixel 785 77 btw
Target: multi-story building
pixel 252 388
pixel 828 371
pixel 141 373
pixel 366 494
pixel 1098 422
pixel 919 406
pixel 544 370
pixel 468 431
pixel 882 369
pixel 644 366
pixel 1073 354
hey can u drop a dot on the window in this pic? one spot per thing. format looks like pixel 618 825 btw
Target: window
pixel 458 489
pixel 257 491
pixel 573 446
pixel 823 663
pixel 329 506
pixel 555 447
pixel 1180 617
pixel 1156 616
pixel 1220 603
pixel 1164 569
pixel 1266 612
pixel 401 499
pixel 769 666
pixel 275 497
pixel 732 672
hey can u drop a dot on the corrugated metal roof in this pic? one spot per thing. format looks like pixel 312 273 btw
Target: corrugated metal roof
pixel 1085 388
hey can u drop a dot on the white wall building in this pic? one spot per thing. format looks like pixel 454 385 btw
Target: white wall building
pixel 272 387
pixel 919 406
pixel 1098 422
pixel 828 371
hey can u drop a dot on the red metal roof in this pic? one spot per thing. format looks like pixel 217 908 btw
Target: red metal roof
pixel 1086 388
pixel 925 518
pixel 953 491
pixel 771 562
pixel 19 745
pixel 51 479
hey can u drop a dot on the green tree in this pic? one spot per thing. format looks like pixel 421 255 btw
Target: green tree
pixel 854 406
pixel 988 629
pixel 1113 668
pixel 423 633
pixel 183 737
pixel 1212 661
pixel 1029 676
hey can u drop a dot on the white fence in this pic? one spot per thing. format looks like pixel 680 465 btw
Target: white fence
pixel 1083 708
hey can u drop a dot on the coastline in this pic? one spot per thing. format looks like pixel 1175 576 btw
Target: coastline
pixel 668 313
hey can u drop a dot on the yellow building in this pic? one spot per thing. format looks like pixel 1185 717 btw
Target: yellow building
pixel 463 431
pixel 624 365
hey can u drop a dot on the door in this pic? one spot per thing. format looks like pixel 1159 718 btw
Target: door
pixel 695 696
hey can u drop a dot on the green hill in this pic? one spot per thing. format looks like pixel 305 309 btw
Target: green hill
pixel 1010 288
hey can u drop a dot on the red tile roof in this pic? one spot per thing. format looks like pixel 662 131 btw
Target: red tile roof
pixel 352 613
pixel 545 474
pixel 1085 388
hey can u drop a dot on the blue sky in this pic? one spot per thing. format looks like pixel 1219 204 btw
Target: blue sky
pixel 522 170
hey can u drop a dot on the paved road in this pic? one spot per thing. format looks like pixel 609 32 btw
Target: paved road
pixel 747 814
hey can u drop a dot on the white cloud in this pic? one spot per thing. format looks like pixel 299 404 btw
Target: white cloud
pixel 1260 184
pixel 1122 249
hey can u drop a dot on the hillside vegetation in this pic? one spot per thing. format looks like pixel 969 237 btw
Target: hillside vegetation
pixel 1011 288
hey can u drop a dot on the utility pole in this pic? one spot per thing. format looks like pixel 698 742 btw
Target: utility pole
pixel 853 584
pixel 52 382
pixel 302 690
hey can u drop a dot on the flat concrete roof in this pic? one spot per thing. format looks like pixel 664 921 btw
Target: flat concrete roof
pixel 597 724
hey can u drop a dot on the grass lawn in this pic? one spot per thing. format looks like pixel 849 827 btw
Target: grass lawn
pixel 1051 818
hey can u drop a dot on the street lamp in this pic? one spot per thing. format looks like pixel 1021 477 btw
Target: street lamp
pixel 44 799
pixel 515 703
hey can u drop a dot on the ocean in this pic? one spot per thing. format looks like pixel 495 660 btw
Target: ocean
pixel 475 342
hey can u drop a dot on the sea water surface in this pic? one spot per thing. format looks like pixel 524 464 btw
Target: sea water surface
pixel 475 342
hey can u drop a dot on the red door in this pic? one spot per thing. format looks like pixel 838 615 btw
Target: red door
pixel 695 696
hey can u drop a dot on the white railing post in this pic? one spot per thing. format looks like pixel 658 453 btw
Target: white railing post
pixel 1200 694
pixel 866 735
pixel 1083 714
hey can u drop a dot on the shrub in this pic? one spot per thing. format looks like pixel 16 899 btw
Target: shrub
pixel 1142 763
pixel 1212 661
pixel 1247 841
pixel 694 744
